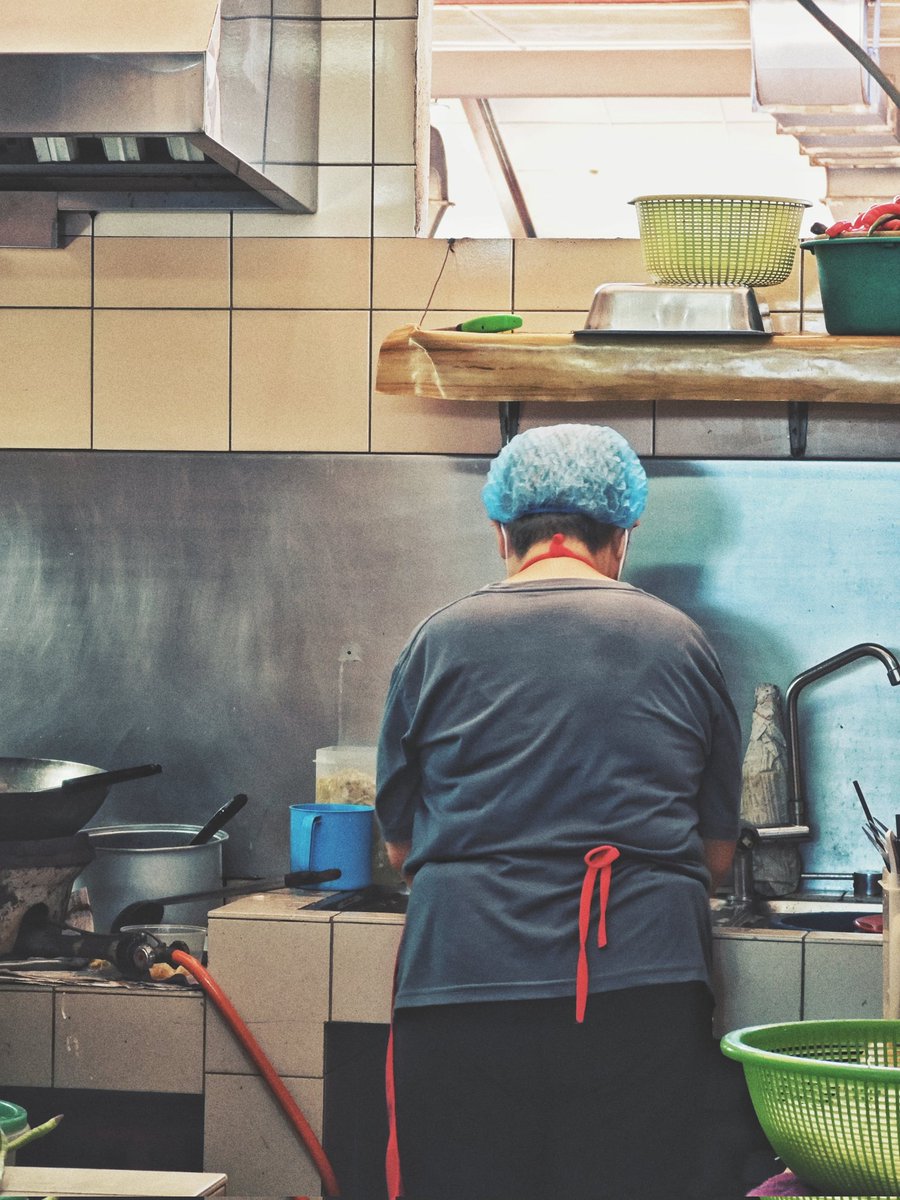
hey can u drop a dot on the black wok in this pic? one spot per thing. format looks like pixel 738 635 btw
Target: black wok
pixel 48 797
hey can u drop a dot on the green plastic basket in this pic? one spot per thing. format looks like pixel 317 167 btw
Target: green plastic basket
pixel 725 241
pixel 13 1118
pixel 827 1095
pixel 859 281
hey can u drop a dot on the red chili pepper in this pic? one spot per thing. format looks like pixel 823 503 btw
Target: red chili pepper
pixel 892 224
pixel 837 228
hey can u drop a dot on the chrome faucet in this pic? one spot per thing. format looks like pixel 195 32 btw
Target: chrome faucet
pixel 799 815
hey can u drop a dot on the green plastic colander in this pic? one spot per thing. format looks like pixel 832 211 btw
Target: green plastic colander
pixel 827 1095
pixel 725 241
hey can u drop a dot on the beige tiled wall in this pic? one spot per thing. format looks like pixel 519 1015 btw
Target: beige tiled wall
pixel 160 379
pixel 161 273
pixel 209 340
pixel 215 340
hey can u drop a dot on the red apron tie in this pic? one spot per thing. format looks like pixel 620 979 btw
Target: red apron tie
pixel 599 863
pixel 392 1156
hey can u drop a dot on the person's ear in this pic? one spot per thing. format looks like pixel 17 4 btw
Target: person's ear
pixel 501 540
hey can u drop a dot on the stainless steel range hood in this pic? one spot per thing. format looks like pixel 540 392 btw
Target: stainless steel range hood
pixel 155 104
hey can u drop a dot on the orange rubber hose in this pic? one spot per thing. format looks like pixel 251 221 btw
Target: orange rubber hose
pixel 268 1072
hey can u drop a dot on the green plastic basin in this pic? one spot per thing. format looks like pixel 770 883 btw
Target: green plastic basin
pixel 859 279
pixel 13 1118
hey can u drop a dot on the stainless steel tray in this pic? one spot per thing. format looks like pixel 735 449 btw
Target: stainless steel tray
pixel 588 335
pixel 637 308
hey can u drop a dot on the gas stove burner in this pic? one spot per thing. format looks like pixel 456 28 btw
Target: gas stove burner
pixel 36 880
pixel 133 953
pixel 373 899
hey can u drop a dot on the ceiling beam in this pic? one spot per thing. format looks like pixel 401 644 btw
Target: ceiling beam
pixel 502 73
pixel 500 170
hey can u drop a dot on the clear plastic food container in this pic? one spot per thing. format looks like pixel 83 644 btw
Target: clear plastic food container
pixel 346 775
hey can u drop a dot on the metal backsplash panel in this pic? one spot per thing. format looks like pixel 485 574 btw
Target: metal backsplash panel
pixel 196 610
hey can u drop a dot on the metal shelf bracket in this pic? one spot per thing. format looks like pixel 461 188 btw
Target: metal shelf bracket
pixel 798 426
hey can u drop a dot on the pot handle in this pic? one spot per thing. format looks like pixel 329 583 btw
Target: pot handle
pixel 107 778
pixel 303 829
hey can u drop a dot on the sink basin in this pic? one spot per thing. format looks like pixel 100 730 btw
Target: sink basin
pixel 817 914
pixel 824 922
pixel 818 904
pixel 811 913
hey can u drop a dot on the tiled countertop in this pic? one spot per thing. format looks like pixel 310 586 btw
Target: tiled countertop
pixel 81 1181
pixel 287 905
pixel 796 935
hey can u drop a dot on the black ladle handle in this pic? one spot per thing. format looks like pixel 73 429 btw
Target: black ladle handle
pixel 217 820
pixel 294 879
pixel 107 778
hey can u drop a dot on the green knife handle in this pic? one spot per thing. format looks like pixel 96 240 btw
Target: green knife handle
pixel 495 323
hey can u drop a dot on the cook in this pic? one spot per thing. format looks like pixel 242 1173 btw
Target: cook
pixel 559 777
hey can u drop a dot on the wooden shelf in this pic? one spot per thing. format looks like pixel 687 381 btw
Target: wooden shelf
pixel 509 367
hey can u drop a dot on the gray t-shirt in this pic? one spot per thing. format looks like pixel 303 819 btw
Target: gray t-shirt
pixel 524 725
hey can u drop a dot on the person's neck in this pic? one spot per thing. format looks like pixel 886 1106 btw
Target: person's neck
pixel 562 559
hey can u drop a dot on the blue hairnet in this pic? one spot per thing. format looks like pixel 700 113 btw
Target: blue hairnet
pixel 587 469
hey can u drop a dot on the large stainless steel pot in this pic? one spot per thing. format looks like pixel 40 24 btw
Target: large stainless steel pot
pixel 138 862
